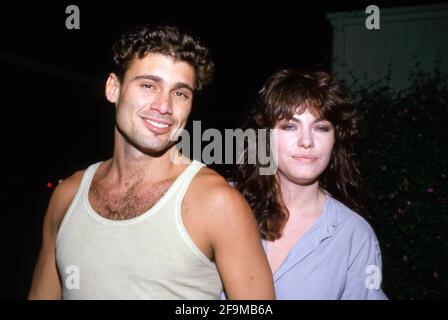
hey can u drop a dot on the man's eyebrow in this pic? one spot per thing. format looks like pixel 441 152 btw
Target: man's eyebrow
pixel 147 77
pixel 178 85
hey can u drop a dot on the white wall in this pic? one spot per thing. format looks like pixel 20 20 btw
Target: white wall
pixel 406 35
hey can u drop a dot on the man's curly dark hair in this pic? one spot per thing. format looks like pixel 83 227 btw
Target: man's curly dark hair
pixel 141 40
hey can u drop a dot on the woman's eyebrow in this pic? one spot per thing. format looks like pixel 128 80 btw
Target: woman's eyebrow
pixel 314 121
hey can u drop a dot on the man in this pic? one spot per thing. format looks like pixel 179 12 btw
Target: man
pixel 139 225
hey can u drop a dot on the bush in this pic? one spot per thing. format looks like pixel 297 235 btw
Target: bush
pixel 404 158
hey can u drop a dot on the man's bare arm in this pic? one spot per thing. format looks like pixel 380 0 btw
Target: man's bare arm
pixel 46 284
pixel 233 233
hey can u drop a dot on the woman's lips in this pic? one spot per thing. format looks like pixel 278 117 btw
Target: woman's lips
pixel 304 158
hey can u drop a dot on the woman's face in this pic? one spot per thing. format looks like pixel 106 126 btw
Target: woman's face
pixel 305 144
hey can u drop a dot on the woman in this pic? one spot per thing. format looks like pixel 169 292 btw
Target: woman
pixel 317 245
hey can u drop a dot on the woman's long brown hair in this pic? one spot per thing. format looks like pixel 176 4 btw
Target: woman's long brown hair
pixel 284 94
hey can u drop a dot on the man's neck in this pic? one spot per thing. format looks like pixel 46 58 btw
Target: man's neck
pixel 130 165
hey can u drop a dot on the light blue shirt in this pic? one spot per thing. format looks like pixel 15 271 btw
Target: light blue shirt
pixel 337 258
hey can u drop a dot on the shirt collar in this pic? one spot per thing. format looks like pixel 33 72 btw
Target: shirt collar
pixel 322 229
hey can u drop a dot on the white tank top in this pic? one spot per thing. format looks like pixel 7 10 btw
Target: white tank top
pixel 147 257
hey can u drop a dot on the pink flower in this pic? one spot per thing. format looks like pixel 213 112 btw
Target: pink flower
pixel 430 190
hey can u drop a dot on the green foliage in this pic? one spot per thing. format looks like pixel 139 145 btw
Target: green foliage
pixel 404 159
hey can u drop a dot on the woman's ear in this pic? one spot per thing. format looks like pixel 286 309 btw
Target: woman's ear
pixel 112 88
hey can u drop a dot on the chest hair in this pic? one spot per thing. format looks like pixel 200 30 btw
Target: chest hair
pixel 121 204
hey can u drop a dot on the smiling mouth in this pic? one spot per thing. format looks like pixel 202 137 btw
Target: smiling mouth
pixel 156 124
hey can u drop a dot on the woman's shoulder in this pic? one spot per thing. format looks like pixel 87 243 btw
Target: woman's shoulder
pixel 351 222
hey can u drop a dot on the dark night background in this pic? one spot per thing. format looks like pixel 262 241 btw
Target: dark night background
pixel 55 119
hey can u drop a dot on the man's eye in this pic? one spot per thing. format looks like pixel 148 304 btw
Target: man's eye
pixel 181 95
pixel 147 86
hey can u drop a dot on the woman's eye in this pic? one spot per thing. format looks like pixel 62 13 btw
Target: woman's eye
pixel 288 126
pixel 323 128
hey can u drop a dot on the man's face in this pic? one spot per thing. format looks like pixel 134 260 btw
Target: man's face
pixel 153 101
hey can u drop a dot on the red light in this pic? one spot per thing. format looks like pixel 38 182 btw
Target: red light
pixel 49 185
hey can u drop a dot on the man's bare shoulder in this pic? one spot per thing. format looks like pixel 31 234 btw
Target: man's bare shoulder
pixel 62 197
pixel 216 199
pixel 70 183
pixel 211 185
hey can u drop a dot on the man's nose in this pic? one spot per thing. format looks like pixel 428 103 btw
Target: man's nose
pixel 162 104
